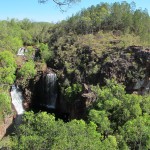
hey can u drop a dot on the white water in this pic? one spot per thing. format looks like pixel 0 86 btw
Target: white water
pixel 17 99
pixel 138 84
pixel 147 87
pixel 21 51
pixel 143 85
pixel 51 90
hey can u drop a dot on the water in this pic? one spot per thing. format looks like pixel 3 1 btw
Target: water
pixel 50 90
pixel 147 87
pixel 139 84
pixel 143 86
pixel 17 99
pixel 21 51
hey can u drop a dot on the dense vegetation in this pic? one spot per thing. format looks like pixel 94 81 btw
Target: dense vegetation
pixel 115 121
pixel 108 17
pixel 15 34
pixel 90 47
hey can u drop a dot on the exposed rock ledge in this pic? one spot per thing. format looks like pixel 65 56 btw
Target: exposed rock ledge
pixel 5 125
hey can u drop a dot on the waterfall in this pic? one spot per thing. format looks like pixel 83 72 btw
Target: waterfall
pixel 17 99
pixel 146 86
pixel 143 86
pixel 138 84
pixel 50 90
pixel 21 51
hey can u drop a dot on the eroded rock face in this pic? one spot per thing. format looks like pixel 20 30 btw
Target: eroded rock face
pixel 41 91
pixel 88 95
pixel 142 86
pixel 129 66
pixel 5 125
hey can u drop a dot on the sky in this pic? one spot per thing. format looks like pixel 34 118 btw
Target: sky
pixel 50 12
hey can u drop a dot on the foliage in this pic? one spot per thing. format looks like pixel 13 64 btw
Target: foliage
pixel 118 113
pixel 46 54
pixel 5 142
pixel 15 33
pixel 116 121
pixel 86 48
pixel 72 92
pixel 60 2
pixel 136 132
pixel 119 16
pixel 7 77
pixel 10 35
pixel 5 104
pixel 7 67
pixel 27 70
pixel 55 134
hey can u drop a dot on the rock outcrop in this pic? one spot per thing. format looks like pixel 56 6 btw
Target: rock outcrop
pixel 130 66
pixel 5 125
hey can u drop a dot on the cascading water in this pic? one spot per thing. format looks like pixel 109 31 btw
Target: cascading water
pixel 50 90
pixel 17 99
pixel 21 51
pixel 143 86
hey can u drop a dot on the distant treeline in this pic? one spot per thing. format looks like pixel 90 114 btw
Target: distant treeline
pixel 107 17
pixel 15 33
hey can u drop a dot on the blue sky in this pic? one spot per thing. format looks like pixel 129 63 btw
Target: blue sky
pixel 49 12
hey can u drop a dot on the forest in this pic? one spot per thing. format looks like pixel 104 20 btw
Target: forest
pixel 101 57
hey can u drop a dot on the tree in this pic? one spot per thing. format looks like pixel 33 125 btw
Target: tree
pixel 46 54
pixel 136 132
pixel 5 104
pixel 124 115
pixel 42 131
pixel 27 70
pixel 7 67
pixel 72 92
pixel 101 119
pixel 10 35
pixel 61 2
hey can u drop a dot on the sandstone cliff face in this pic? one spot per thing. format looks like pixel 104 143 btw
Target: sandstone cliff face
pixel 130 66
pixel 5 125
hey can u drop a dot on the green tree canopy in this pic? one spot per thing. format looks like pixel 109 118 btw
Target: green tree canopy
pixel 7 67
pixel 46 54
pixel 27 70
pixel 41 131
pixel 121 114
pixel 5 104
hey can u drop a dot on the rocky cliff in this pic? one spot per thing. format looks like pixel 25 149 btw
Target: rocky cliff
pixel 130 66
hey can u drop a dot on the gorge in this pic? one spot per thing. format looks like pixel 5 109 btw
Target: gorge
pixel 47 91
pixel 83 83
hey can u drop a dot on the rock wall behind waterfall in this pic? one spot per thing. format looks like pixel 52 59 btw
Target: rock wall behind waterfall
pixel 44 90
pixel 130 66
pixel 50 90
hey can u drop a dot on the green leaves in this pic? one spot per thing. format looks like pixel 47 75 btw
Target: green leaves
pixel 41 131
pixel 136 132
pixel 7 67
pixel 27 70
pixel 5 105
pixel 46 54
pixel 101 119
pixel 72 92
pixel 124 115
